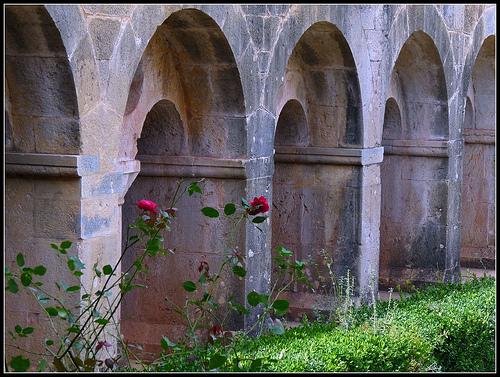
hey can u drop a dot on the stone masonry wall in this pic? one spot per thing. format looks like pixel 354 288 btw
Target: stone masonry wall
pixel 369 128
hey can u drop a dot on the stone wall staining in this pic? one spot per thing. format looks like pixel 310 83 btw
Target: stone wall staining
pixel 478 203
pixel 315 198
pixel 370 127
pixel 194 129
pixel 42 188
pixel 414 170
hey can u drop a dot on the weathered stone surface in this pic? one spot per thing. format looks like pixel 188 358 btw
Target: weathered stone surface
pixel 369 128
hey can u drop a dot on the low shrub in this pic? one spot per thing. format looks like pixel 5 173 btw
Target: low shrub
pixel 325 347
pixel 447 327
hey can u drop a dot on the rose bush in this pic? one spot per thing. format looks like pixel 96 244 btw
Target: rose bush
pixel 84 344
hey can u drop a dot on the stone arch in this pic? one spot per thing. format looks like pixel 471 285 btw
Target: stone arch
pixel 184 119
pixel 426 19
pixel 347 21
pixel 201 73
pixel 413 231
pixel 316 186
pixel 43 114
pixel 478 180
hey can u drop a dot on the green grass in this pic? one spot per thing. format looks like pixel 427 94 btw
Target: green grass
pixel 448 328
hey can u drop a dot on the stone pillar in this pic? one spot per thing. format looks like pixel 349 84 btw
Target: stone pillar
pixel 258 242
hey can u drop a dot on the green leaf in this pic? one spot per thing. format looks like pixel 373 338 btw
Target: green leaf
pixel 18 329
pixel 107 269
pixel 73 288
pixel 12 286
pixel 259 219
pixel 193 187
pixel 102 321
pixel 256 365
pixel 40 270
pixel 66 244
pixel 165 343
pixel 20 260
pixel 51 311
pixel 26 279
pixel 28 330
pixel 210 212
pixel 62 313
pixel 42 299
pixel 206 296
pixel 97 272
pixel 264 299
pixel 18 364
pixel 229 209
pixel 73 329
pixel 43 365
pixel 280 307
pixel 239 271
pixel 77 262
pixel 189 286
pixel 241 309
pixel 49 342
pixel 202 279
pixel 281 250
pixel 253 298
pixel 216 361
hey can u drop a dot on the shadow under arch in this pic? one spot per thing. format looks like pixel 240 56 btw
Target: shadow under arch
pixel 414 173
pixel 184 120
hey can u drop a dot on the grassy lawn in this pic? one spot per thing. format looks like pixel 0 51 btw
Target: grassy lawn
pixel 447 328
pixel 444 328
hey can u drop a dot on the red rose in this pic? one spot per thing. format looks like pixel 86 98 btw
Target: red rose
pixel 147 205
pixel 216 330
pixel 203 266
pixel 259 205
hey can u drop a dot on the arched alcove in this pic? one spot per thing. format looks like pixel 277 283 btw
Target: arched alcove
pixel 163 132
pixel 392 120
pixel 184 119
pixel 42 105
pixel 316 186
pixel 478 193
pixel 415 168
pixel 292 125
